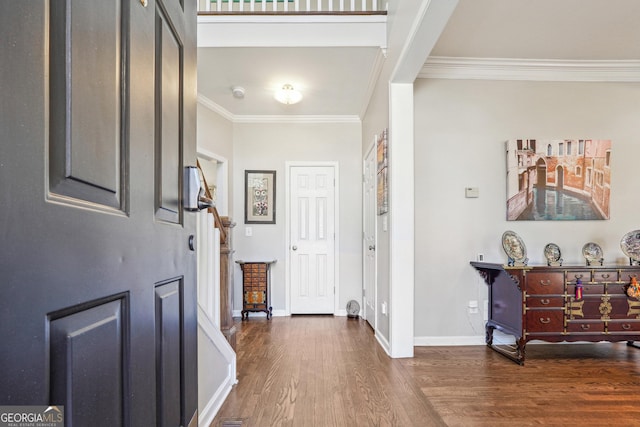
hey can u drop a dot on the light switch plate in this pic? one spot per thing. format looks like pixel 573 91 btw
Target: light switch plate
pixel 471 192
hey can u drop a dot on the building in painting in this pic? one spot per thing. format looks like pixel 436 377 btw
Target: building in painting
pixel 578 169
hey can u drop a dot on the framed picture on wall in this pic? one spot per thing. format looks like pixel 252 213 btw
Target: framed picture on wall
pixel 558 179
pixel 259 197
pixel 383 192
pixel 382 160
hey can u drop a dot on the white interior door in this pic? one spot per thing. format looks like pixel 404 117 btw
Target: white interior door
pixel 369 239
pixel 312 239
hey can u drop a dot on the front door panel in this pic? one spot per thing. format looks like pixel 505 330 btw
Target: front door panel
pixel 97 282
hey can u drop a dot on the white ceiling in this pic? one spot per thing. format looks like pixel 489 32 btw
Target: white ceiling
pixel 543 29
pixel 336 81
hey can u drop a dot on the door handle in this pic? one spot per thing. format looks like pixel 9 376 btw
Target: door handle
pixel 294 247
pixel 194 195
pixel 203 201
pixel 372 247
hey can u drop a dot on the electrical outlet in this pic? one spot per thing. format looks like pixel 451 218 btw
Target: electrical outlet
pixel 480 257
pixel 248 231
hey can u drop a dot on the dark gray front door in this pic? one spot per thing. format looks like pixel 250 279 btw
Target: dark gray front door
pixel 97 281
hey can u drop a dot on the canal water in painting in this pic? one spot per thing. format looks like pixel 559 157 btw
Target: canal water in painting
pixel 549 204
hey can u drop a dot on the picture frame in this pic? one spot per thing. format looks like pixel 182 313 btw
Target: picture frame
pixel 259 197
pixel 558 179
pixel 382 147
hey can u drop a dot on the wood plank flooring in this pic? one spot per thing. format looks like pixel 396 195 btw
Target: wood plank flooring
pixel 330 371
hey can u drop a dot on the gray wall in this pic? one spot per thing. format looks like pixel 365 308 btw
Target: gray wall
pixel 267 146
pixel 215 135
pixel 461 129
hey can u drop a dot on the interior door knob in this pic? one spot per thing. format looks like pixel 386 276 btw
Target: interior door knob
pixel 372 248
pixel 294 247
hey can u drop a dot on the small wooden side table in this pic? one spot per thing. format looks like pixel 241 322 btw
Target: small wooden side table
pixel 256 289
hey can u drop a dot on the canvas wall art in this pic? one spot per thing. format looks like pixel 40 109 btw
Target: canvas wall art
pixel 558 179
pixel 383 186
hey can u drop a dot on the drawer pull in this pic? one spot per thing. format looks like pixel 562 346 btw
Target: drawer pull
pixel 626 326
pixel 606 275
pixel 545 282
pixel 544 301
pixel 578 276
pixel 585 327
pixel 545 320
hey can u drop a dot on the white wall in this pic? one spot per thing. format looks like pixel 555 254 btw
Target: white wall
pixel 267 146
pixel 461 129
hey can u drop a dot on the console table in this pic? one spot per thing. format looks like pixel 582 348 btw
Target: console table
pixel 539 303
pixel 256 292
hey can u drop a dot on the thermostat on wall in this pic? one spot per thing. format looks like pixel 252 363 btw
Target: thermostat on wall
pixel 471 192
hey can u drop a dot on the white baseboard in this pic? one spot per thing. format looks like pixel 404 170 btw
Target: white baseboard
pixel 274 313
pixel 383 343
pixel 208 413
pixel 280 313
pixel 454 340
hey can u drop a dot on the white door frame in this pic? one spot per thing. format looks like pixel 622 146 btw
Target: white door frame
pixel 336 245
pixel 222 180
pixel 374 280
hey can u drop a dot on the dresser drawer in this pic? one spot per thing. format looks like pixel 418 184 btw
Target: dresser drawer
pixel 543 301
pixel 614 289
pixel 545 283
pixel 573 276
pixel 545 321
pixel 585 327
pixel 624 326
pixel 605 276
pixel 625 276
pixel 586 289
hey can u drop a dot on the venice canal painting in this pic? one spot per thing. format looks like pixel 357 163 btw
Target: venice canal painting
pixel 558 179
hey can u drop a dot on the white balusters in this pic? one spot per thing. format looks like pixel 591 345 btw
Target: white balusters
pixel 284 6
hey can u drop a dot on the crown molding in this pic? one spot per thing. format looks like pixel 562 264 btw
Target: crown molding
pixel 296 119
pixel 208 103
pixel 376 70
pixel 440 67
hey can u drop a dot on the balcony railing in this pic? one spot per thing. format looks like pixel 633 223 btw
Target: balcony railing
pixel 291 6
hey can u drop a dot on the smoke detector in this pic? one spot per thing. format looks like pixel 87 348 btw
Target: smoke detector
pixel 238 92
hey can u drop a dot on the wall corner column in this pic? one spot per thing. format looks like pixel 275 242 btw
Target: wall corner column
pixel 401 219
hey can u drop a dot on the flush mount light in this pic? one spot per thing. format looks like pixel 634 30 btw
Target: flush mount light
pixel 238 92
pixel 288 95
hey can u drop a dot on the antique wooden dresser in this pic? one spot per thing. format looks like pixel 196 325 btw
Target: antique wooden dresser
pixel 256 292
pixel 542 303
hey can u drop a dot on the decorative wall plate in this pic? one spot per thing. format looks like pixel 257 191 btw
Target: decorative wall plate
pixel 552 253
pixel 514 247
pixel 592 252
pixel 630 245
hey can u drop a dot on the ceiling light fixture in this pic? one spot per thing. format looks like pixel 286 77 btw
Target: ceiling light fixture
pixel 238 92
pixel 288 95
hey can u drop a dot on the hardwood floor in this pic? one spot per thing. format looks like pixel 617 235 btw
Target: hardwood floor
pixel 329 371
